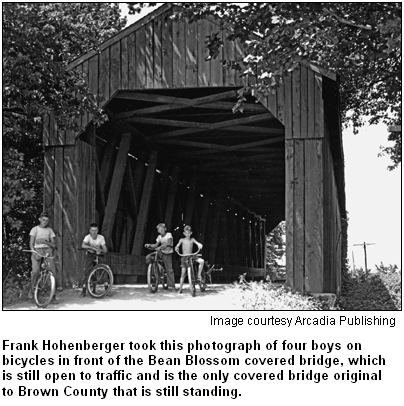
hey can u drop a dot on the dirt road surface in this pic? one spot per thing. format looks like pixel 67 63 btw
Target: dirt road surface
pixel 138 297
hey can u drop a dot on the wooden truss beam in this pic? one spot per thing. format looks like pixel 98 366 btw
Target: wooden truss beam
pixel 171 103
pixel 116 185
pixel 171 197
pixel 192 127
pixel 145 205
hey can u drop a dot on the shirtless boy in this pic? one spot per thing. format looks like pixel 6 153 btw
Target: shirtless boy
pixel 187 244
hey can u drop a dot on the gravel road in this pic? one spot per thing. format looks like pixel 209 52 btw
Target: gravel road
pixel 138 297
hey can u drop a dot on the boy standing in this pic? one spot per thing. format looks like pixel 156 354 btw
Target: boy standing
pixel 187 244
pixel 164 248
pixel 41 240
pixel 94 243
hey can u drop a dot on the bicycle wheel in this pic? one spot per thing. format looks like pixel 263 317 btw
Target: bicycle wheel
pixel 164 280
pixel 44 289
pixel 191 280
pixel 153 277
pixel 100 281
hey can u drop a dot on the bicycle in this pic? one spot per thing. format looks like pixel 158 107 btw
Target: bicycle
pixel 45 283
pixel 156 273
pixel 208 273
pixel 100 278
pixel 192 271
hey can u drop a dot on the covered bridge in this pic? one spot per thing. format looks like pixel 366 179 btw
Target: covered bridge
pixel 173 151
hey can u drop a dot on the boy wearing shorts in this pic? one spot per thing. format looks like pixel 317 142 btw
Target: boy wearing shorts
pixel 187 244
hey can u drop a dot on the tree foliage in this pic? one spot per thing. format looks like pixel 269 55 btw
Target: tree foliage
pixel 39 40
pixel 359 41
pixel 275 251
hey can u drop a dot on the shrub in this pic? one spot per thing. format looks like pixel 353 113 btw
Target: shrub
pixel 373 291
pixel 270 296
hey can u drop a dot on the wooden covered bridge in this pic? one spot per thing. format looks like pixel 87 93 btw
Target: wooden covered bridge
pixel 173 151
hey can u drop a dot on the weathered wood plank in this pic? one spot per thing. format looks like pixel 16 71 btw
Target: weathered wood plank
pixel 298 219
pixel 203 65
pixel 139 175
pixel 145 204
pixel 310 104
pixel 142 47
pixel 304 103
pixel 69 249
pixel 167 51
pixel 58 212
pixel 272 103
pixel 107 164
pixel 280 97
pixel 296 103
pixel 104 77
pixel 288 107
pixel 171 198
pixel 93 78
pixel 130 186
pixel 157 52
pixel 124 64
pixel 238 50
pixel 216 69
pixel 115 68
pixel 314 216
pixel 179 53
pixel 116 185
pixel 149 53
pixel 131 45
pixel 191 59
pixel 319 107
pixel 289 211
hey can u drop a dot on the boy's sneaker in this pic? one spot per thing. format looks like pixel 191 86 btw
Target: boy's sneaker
pixel 83 292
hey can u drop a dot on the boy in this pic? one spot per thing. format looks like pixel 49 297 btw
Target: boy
pixel 41 240
pixel 164 247
pixel 187 248
pixel 94 243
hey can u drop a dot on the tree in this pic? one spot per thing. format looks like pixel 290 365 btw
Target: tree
pixel 39 40
pixel 359 41
pixel 275 251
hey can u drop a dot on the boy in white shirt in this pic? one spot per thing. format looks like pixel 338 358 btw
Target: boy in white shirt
pixel 164 246
pixel 94 243
pixel 41 240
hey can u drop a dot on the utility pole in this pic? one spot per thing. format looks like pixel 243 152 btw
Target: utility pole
pixel 364 249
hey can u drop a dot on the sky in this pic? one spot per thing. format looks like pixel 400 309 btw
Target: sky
pixel 373 194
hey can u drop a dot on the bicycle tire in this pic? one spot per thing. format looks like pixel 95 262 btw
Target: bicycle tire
pixel 164 280
pixel 100 281
pixel 153 277
pixel 44 289
pixel 191 280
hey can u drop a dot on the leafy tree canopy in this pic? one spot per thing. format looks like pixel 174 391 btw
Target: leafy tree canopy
pixel 359 41
pixel 39 40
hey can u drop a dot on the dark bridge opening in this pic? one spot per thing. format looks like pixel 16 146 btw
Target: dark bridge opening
pixel 181 156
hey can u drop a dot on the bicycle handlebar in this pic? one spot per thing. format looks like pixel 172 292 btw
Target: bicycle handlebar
pixel 43 256
pixel 101 253
pixel 189 255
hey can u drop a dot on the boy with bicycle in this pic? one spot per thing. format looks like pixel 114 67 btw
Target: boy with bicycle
pixel 41 240
pixel 94 243
pixel 164 248
pixel 187 244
